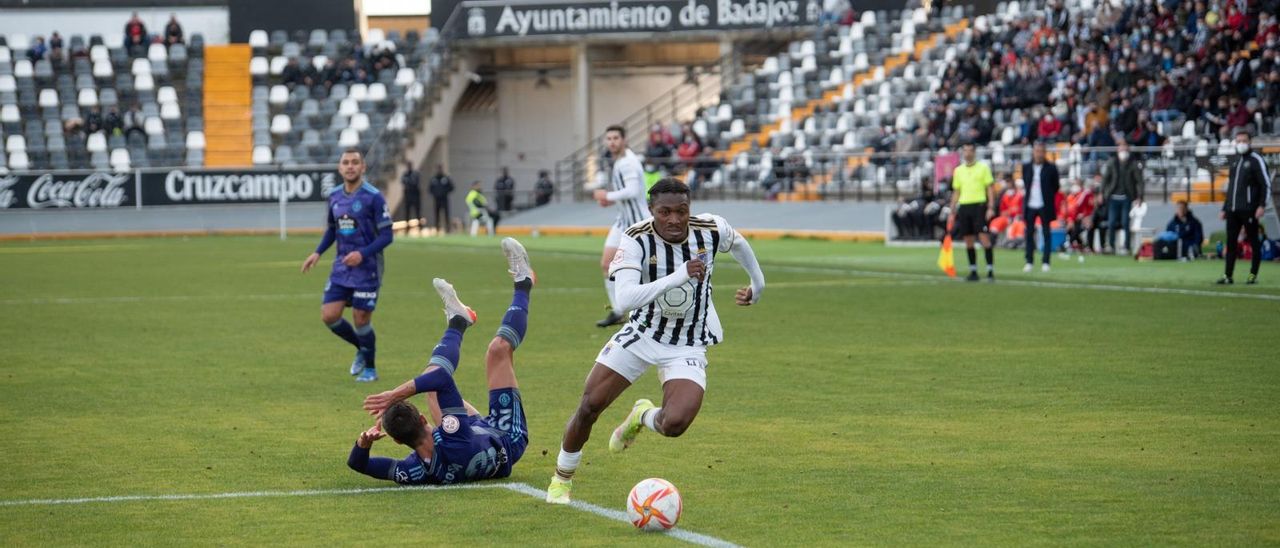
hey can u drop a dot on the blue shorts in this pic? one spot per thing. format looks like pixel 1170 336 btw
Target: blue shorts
pixel 506 414
pixel 362 299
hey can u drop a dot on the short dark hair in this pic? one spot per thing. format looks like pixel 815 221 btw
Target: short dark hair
pixel 615 127
pixel 403 423
pixel 353 150
pixel 668 185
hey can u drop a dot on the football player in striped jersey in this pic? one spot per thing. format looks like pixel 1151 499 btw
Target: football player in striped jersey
pixel 662 273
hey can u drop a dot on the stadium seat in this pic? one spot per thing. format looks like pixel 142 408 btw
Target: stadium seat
pixel 170 112
pixel 23 70
pixel 277 65
pixel 140 66
pixel 377 92
pixel 120 159
pixel 144 82
pixel 15 143
pixel 195 140
pixel 281 125
pixel 349 138
pixel 19 161
pixel 404 77
pixel 261 155
pixel 157 53
pixel 166 94
pixel 279 95
pixel 258 40
pixel 48 98
pixel 153 126
pixel 258 66
pixel 359 92
pixel 96 142
pixel 359 122
pixel 103 70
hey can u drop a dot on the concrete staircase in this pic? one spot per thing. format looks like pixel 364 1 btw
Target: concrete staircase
pixel 228 118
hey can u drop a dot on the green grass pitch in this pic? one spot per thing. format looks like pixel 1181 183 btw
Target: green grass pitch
pixel 865 401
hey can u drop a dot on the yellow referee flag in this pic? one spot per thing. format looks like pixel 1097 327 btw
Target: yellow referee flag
pixel 946 258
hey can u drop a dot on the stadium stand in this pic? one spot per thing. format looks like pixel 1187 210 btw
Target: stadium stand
pixel 868 102
pixel 66 108
pixel 302 98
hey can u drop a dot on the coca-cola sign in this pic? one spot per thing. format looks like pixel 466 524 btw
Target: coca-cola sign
pixel 62 191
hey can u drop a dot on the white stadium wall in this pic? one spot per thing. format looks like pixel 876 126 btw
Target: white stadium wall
pixel 533 127
pixel 211 21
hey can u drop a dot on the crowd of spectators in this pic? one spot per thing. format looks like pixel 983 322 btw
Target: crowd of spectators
pixel 1115 73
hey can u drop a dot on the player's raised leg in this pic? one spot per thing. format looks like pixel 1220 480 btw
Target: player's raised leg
pixel 499 362
pixel 684 383
pixel 603 386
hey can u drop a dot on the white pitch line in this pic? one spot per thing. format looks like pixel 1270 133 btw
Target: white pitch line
pixel 124 299
pixel 522 488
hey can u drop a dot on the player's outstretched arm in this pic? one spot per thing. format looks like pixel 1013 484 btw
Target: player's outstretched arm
pixel 631 294
pixel 742 252
pixel 436 380
pixel 360 461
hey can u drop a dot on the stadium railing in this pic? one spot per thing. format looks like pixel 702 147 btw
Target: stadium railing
pixel 1195 173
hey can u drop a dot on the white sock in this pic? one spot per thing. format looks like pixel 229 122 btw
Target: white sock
pixel 567 463
pixel 613 302
pixel 649 417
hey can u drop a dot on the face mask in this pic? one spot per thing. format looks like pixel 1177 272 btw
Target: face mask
pixel 1242 148
pixel 1123 156
pixel 986 115
pixel 1146 49
pixel 1075 189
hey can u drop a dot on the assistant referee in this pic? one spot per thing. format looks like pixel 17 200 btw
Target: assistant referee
pixel 972 206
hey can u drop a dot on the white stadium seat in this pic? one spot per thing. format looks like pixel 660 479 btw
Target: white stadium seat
pixel 195 140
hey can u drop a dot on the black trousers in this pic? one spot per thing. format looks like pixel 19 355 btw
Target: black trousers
pixel 442 214
pixel 412 202
pixel 1236 221
pixel 1030 217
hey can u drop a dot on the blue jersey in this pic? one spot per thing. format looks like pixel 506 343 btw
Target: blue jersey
pixel 473 451
pixel 356 220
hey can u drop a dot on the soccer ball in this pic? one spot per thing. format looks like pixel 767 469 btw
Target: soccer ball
pixel 654 505
pixel 677 301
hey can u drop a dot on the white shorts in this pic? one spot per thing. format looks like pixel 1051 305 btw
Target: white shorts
pixel 633 359
pixel 614 239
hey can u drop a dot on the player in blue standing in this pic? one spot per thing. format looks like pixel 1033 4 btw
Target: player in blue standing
pixel 462 446
pixel 359 221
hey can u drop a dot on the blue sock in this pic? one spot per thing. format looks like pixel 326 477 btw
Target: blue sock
pixel 516 320
pixel 343 329
pixel 368 343
pixel 446 353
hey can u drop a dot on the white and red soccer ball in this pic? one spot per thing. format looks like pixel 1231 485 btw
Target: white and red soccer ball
pixel 654 505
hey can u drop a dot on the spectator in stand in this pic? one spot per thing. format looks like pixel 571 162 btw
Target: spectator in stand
pixel 172 31
pixel 291 74
pixel 1122 187
pixel 134 121
pixel 38 49
pixel 689 149
pixel 1238 115
pixel 113 124
pixel 504 189
pixel 93 122
pixel 135 33
pixel 56 53
pixel 1189 230
pixel 544 189
pixel 659 148
pixel 1050 128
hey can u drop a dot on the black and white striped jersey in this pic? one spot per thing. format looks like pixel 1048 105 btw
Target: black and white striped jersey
pixel 685 315
pixel 627 184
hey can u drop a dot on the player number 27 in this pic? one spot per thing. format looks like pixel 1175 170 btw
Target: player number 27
pixel 627 332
